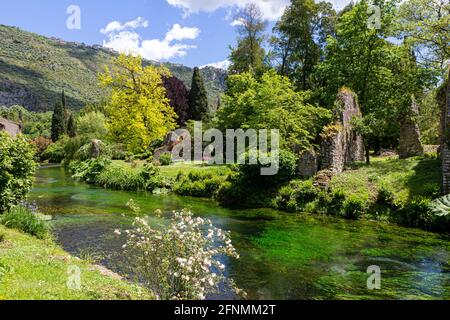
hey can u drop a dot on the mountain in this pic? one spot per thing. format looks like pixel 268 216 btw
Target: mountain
pixel 35 69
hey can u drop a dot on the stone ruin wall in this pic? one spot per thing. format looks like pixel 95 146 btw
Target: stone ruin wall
pixel 344 146
pixel 409 143
pixel 445 147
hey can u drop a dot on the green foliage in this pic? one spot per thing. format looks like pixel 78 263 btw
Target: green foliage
pixel 71 129
pixel 17 167
pixel 34 124
pixel 271 103
pixel 300 36
pixel 440 208
pixel 23 219
pixel 248 188
pixel 58 122
pixel 138 109
pixel 249 54
pixel 417 213
pixel 296 195
pixel 92 124
pixel 165 159
pixel 104 173
pixel 354 207
pixel 198 100
pixel 198 183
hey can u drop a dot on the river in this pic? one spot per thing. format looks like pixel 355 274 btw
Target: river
pixel 283 255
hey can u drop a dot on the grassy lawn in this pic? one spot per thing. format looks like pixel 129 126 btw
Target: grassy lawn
pixel 406 178
pixel 172 171
pixel 32 269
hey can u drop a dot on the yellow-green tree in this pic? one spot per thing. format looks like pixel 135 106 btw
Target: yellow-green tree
pixel 138 111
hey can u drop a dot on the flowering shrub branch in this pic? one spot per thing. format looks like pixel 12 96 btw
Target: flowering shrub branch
pixel 180 261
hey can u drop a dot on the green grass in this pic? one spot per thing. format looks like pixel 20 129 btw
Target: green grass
pixel 406 178
pixel 20 218
pixel 33 269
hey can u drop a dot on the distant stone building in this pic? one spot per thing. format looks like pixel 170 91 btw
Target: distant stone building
pixel 10 127
pixel 341 144
pixel 409 144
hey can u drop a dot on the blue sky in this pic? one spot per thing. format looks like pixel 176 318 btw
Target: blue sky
pixel 191 32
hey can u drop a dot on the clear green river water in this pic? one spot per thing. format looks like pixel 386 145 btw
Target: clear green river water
pixel 283 256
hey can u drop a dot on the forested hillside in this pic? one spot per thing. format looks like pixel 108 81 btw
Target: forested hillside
pixel 35 69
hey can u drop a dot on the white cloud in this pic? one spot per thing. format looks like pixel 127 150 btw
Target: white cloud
pixel 131 42
pixel 219 65
pixel 179 33
pixel 271 9
pixel 116 26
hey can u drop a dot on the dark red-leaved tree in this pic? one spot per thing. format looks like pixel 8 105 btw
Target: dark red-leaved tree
pixel 178 95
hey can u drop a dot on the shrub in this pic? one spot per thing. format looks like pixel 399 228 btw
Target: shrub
pixel 248 188
pixel 417 214
pixel 41 144
pixel 179 261
pixel 165 159
pixel 386 197
pixel 85 151
pixel 354 207
pixel 335 203
pixel 296 195
pixel 55 152
pixel 199 183
pixel 16 170
pixel 25 220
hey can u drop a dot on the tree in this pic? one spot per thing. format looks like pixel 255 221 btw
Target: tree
pixel 92 124
pixel 384 75
pixel 270 102
pixel 71 129
pixel 16 170
pixel 426 25
pixel 300 36
pixel 249 53
pixel 58 122
pixel 198 98
pixel 178 96
pixel 138 111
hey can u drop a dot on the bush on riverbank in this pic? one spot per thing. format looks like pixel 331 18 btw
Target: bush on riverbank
pixel 396 190
pixel 108 174
pixel 246 187
pixel 17 167
pixel 200 183
pixel 25 220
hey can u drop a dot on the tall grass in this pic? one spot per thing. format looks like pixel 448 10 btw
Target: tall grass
pixel 25 220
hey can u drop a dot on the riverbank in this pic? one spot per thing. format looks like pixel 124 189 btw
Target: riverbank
pixel 389 189
pixel 33 269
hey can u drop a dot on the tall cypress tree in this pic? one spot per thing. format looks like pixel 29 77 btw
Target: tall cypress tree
pixel 66 111
pixel 198 99
pixel 58 122
pixel 71 129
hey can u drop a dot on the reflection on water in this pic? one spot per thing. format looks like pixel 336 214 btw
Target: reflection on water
pixel 283 256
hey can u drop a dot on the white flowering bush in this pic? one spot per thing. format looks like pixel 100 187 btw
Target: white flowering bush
pixel 180 261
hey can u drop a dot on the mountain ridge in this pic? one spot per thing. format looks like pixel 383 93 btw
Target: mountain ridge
pixel 34 69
